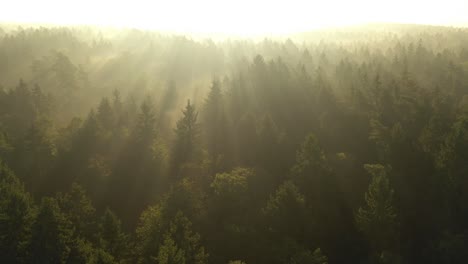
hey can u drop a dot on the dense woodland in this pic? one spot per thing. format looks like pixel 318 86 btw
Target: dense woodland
pixel 128 146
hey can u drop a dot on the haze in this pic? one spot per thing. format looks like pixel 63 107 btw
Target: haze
pixel 233 132
pixel 242 17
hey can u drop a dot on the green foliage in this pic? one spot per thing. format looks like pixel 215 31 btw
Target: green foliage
pixel 286 211
pixel 185 196
pixel 185 148
pixel 16 216
pixel 182 241
pixel 168 242
pixel 378 218
pixel 111 237
pixel 310 157
pixel 170 253
pixel 271 171
pixel 233 184
pixel 148 234
pixel 146 124
pixel 78 209
pixel 51 234
pixel 215 126
pixel 307 256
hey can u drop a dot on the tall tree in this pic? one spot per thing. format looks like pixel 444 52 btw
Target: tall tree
pixel 111 237
pixel 79 210
pixel 143 158
pixel 51 234
pixel 378 218
pixel 170 241
pixel 186 146
pixel 16 215
pixel 215 126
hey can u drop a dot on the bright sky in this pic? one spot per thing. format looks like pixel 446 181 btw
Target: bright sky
pixel 241 17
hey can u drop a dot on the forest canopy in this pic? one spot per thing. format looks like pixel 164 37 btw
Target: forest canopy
pixel 333 146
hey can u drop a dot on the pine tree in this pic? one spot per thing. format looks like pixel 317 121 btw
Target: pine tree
pixel 378 218
pixel 186 142
pixel 269 147
pixel 215 126
pixel 185 240
pixel 286 210
pixel 111 237
pixel 16 215
pixel 34 156
pixel 288 224
pixel 163 241
pixel 105 115
pixel 316 180
pixel 79 210
pixel 146 124
pixel 142 157
pixel 51 236
pixel 246 141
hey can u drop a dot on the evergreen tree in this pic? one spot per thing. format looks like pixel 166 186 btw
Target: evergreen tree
pixel 51 234
pixel 181 244
pixel 111 237
pixel 143 158
pixel 78 209
pixel 286 211
pixel 378 218
pixel 16 215
pixel 215 126
pixel 146 125
pixel 185 148
pixel 168 242
pixel 246 141
pixel 105 115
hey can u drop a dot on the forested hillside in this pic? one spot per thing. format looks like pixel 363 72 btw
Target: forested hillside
pixel 128 146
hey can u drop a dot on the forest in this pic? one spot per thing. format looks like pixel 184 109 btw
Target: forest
pixel 335 146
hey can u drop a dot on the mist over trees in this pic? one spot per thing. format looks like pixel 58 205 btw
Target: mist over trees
pixel 128 146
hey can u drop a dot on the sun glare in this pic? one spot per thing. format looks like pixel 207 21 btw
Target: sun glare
pixel 241 17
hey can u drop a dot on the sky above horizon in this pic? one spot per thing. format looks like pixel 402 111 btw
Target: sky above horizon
pixel 240 17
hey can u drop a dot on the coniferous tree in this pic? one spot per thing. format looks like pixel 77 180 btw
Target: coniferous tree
pixel 111 237
pixel 78 209
pixel 51 234
pixel 168 241
pixel 215 126
pixel 186 145
pixel 378 218
pixel 143 158
pixel 16 216
pixel 181 245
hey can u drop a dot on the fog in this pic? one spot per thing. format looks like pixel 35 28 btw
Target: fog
pixel 215 132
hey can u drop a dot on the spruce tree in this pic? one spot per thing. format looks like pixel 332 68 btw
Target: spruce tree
pixel 377 219
pixel 51 234
pixel 16 216
pixel 185 148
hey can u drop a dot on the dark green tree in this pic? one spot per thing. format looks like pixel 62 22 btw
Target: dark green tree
pixel 215 126
pixel 16 216
pixel 165 241
pixel 378 218
pixel 186 146
pixel 181 245
pixel 51 234
pixel 111 237
pixel 79 210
